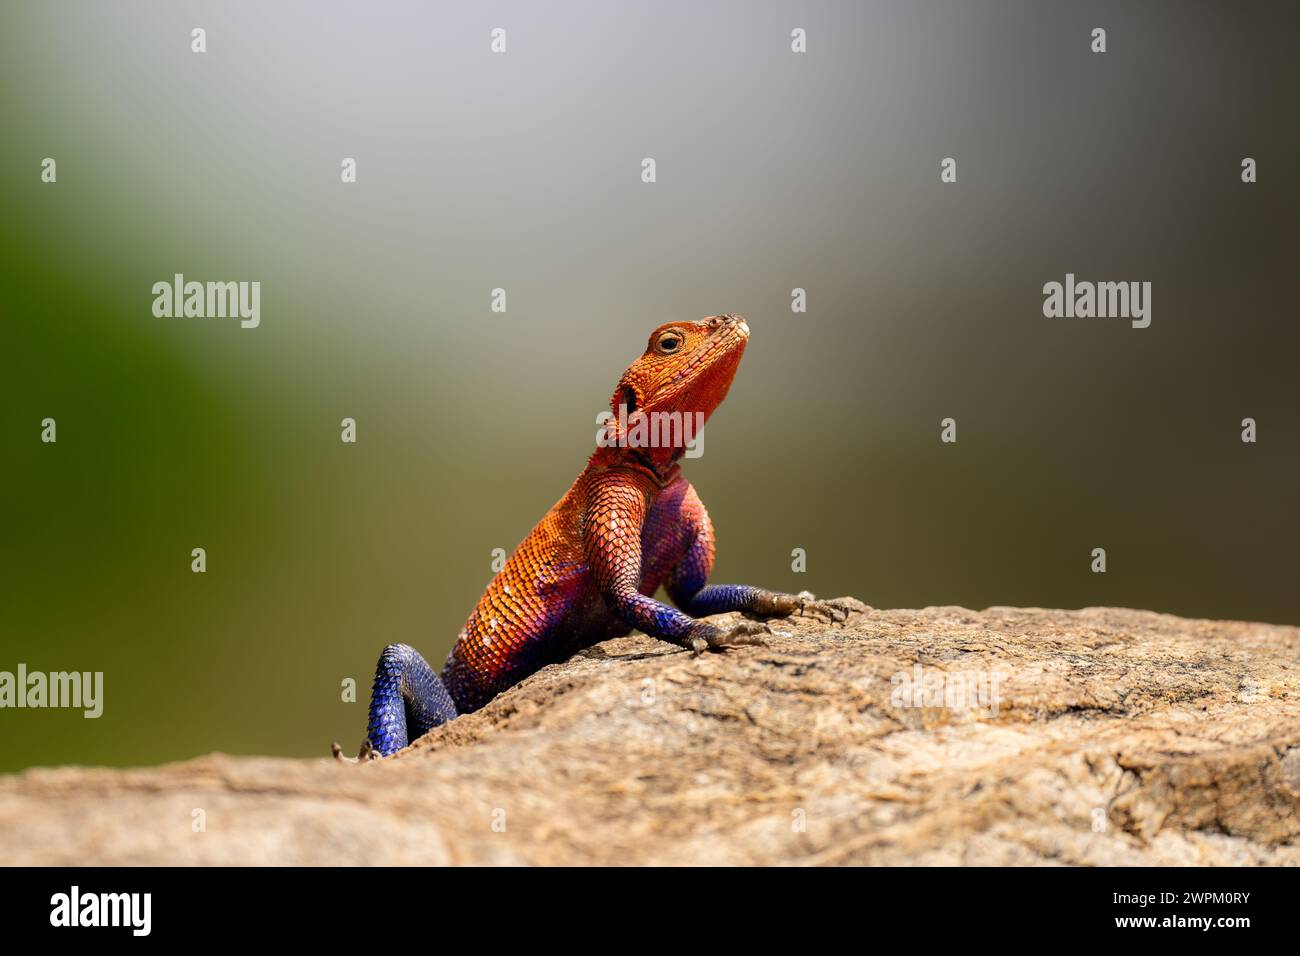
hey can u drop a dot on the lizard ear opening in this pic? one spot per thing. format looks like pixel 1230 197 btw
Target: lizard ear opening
pixel 627 397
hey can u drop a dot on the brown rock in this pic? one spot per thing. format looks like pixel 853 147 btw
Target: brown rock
pixel 1118 737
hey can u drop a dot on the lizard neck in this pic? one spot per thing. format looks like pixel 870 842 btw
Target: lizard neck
pixel 657 464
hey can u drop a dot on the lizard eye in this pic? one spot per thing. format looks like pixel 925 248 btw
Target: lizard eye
pixel 668 343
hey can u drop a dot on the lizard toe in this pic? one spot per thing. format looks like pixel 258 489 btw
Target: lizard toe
pixel 742 632
pixel 833 610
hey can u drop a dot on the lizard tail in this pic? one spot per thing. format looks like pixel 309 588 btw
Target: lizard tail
pixel 407 700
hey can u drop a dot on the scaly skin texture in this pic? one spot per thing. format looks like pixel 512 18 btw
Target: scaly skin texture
pixel 589 569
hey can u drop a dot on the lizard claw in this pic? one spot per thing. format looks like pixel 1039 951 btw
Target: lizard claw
pixel 805 604
pixel 833 611
pixel 742 632
pixel 713 638
pixel 367 752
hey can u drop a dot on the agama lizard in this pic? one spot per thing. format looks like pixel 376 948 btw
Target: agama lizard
pixel 590 568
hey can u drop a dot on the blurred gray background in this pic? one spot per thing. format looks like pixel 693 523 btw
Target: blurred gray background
pixel 522 171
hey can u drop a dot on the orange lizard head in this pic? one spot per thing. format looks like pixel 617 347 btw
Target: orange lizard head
pixel 687 367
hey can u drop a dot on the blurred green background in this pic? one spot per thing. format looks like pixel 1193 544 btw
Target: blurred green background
pixel 523 171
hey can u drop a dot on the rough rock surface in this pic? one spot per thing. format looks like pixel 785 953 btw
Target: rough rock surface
pixel 1118 737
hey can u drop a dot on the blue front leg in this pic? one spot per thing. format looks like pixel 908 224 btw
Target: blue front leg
pixel 720 598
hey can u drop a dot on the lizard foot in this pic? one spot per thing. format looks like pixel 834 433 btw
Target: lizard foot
pixel 805 604
pixel 711 638
pixel 833 611
pixel 367 752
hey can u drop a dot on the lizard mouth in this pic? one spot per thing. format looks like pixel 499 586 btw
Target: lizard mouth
pixel 629 398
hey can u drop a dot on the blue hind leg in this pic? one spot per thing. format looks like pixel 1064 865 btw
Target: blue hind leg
pixel 408 699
